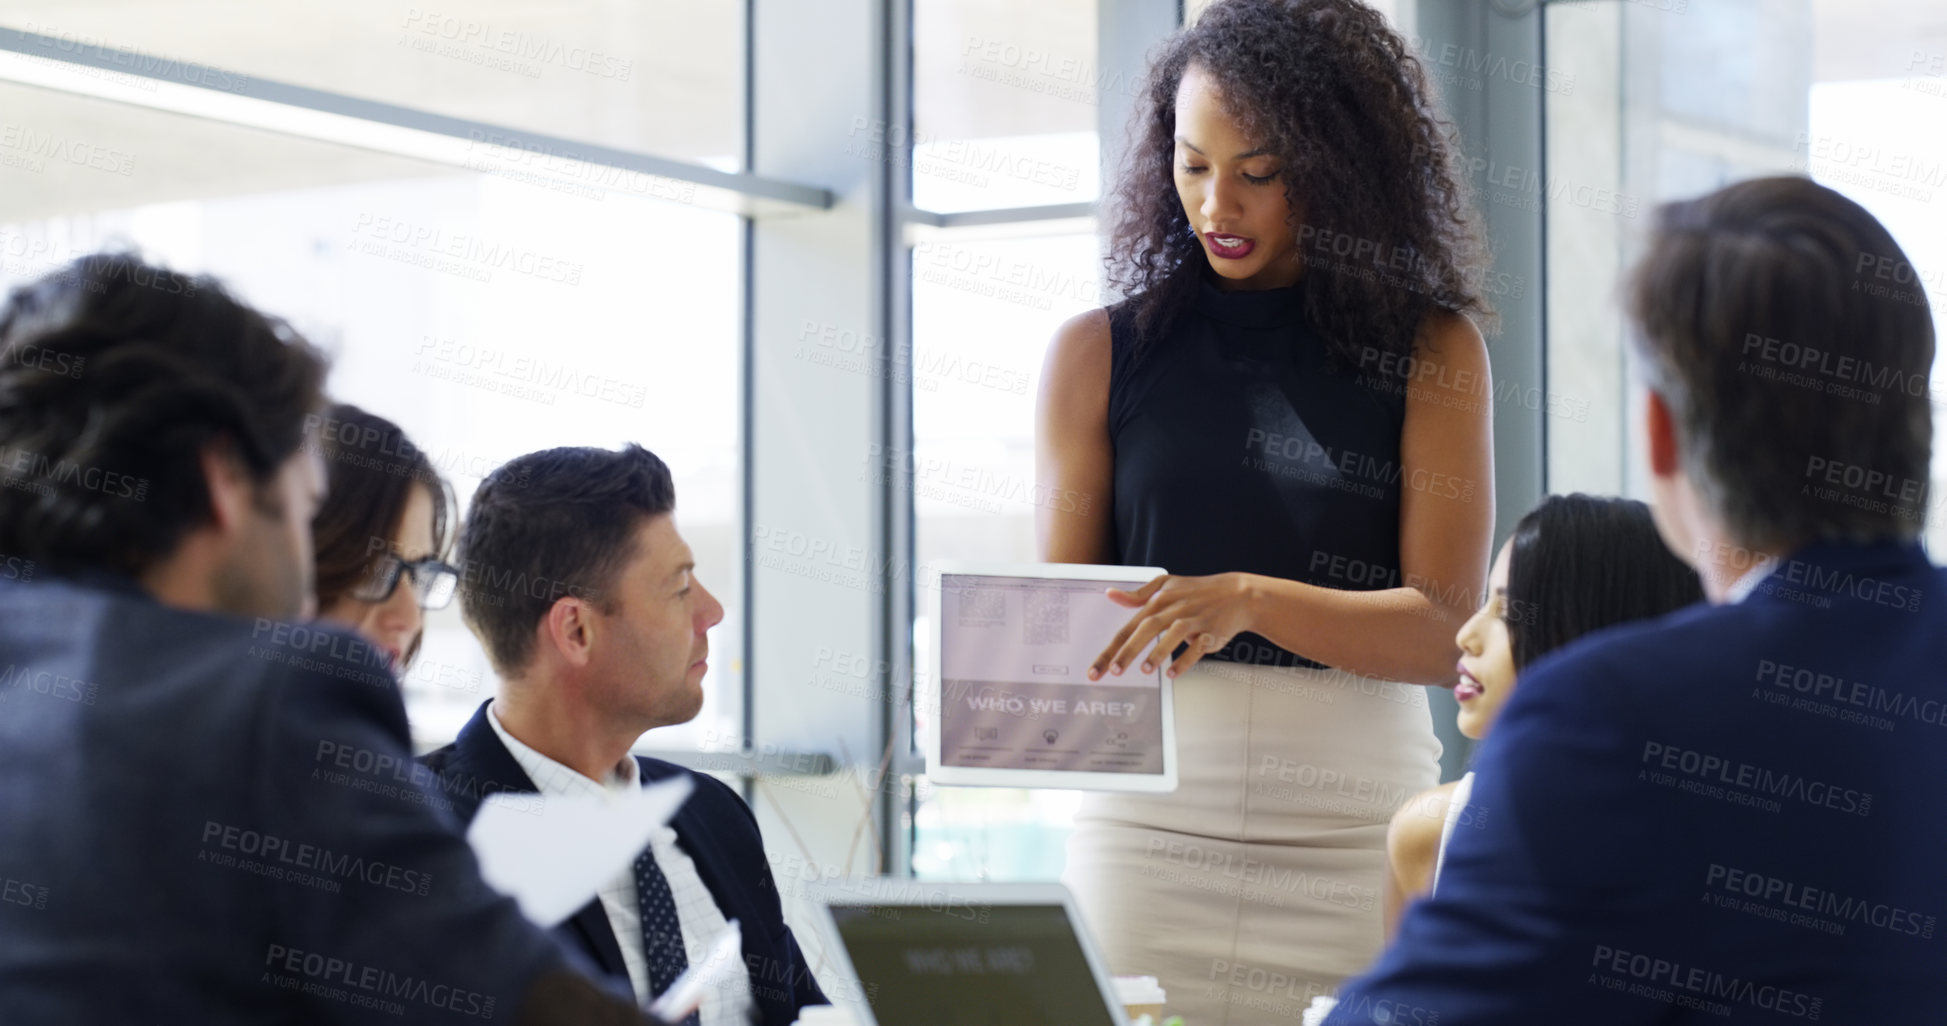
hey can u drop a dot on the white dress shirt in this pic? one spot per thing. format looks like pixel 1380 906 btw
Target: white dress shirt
pixel 729 1003
pixel 1456 804
pixel 1742 588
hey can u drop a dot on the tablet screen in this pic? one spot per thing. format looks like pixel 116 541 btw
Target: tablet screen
pixel 1014 687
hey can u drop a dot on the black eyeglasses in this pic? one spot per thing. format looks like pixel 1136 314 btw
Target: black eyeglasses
pixel 433 582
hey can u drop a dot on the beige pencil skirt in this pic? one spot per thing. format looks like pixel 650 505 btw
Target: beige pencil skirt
pixel 1257 884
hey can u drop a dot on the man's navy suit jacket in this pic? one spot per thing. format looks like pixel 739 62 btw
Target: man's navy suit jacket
pixel 714 827
pixel 210 820
pixel 1736 813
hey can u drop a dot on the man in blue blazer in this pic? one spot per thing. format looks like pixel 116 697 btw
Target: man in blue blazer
pixel 584 594
pixel 1734 813
pixel 178 841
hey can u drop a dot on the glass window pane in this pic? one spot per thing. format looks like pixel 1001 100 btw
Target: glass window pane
pixel 1005 96
pixel 661 77
pixel 1876 110
pixel 487 317
pixel 983 312
pixel 1676 100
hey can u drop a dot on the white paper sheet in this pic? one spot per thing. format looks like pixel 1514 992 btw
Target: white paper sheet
pixel 552 856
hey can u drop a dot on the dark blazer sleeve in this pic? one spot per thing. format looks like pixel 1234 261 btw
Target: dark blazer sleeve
pixel 721 835
pixel 1554 864
pixel 378 896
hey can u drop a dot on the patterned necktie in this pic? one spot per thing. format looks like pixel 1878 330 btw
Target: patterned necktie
pixel 662 934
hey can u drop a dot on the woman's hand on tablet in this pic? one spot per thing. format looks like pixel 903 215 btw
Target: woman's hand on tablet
pixel 1172 610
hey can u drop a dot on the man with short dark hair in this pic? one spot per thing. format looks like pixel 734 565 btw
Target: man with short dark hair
pixel 1732 813
pixel 179 840
pixel 586 598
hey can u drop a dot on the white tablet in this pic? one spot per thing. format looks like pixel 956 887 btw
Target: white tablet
pixel 1007 701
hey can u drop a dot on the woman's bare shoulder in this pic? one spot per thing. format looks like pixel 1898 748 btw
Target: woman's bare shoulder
pixel 1085 335
pixel 1078 360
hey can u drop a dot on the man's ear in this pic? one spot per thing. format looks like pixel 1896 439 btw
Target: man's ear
pixel 1661 427
pixel 569 629
pixel 231 490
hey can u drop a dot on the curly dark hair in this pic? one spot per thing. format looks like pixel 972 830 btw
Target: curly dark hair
pixel 1391 234
pixel 115 375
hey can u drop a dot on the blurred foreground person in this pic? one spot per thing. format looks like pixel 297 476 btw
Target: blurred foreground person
pixel 180 839
pixel 1730 813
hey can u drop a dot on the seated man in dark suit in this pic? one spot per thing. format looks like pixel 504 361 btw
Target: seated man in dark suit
pixel 1733 813
pixel 585 596
pixel 175 846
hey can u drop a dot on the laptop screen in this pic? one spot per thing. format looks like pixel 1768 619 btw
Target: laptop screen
pixel 971 965
pixel 1015 693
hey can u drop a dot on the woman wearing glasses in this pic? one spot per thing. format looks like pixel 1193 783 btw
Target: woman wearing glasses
pixel 381 533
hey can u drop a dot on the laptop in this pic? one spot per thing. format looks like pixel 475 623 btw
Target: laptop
pixel 923 953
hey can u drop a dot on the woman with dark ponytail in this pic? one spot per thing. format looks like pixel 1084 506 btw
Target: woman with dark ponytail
pixel 1574 565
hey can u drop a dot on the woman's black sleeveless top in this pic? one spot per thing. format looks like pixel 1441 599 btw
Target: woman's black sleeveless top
pixel 1240 447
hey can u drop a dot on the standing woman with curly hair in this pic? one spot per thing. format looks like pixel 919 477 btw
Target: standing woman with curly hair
pixel 1290 410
